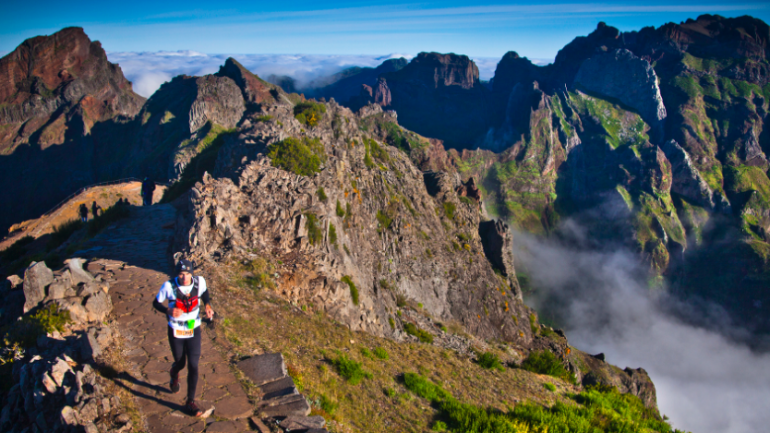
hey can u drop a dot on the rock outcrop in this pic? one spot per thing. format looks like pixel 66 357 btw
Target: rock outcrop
pixel 686 180
pixel 55 388
pixel 622 76
pixel 378 237
pixel 57 94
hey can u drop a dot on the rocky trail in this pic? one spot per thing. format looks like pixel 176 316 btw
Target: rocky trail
pixel 134 257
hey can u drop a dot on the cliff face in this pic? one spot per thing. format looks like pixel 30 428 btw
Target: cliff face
pixel 376 225
pixel 440 95
pixel 56 95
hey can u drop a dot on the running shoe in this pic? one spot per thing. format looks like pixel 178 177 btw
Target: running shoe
pixel 192 408
pixel 174 382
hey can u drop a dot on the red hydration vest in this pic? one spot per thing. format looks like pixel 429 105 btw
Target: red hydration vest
pixel 187 303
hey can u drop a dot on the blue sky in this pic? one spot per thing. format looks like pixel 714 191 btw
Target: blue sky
pixel 489 29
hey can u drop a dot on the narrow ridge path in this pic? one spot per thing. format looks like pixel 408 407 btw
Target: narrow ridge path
pixel 133 255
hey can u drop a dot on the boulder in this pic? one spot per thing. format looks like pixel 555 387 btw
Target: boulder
pixel 14 282
pixel 78 274
pixel 74 305
pixel 302 423
pixel 59 286
pixel 36 278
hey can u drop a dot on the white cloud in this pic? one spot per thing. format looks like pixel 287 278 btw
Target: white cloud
pixel 148 70
pixel 706 382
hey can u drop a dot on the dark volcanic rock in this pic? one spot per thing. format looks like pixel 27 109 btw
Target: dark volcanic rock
pixel 439 95
pixel 56 95
pixel 348 84
pixel 255 90
pixel 497 240
pixel 623 76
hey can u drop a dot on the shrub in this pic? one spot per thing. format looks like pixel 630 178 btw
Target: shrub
pixel 549 386
pixel 597 411
pixel 381 353
pixel 328 405
pixel 340 210
pixel 321 194
pixel 439 426
pixel 378 152
pixel 353 289
pixel 61 233
pixel 390 392
pixel 309 112
pixel 303 157
pixel 333 235
pixel 425 388
pixel 26 331
pixel 384 221
pixel 366 353
pixel 17 249
pixel 533 324
pixel 107 217
pixel 449 210
pixel 392 323
pixel 350 369
pixel 266 118
pixel 314 233
pixel 545 362
pixel 421 334
pixel 490 361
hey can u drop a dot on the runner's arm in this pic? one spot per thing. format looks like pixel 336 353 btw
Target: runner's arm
pixel 160 307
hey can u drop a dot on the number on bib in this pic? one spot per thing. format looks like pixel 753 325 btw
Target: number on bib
pixel 184 333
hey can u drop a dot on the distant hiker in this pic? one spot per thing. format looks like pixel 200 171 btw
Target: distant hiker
pixel 95 209
pixel 148 187
pixel 184 294
pixel 83 212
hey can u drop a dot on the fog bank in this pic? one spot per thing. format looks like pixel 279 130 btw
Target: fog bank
pixel 706 383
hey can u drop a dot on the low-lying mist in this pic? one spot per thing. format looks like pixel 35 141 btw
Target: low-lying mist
pixel 604 300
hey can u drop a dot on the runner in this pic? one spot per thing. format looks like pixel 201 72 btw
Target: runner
pixel 184 294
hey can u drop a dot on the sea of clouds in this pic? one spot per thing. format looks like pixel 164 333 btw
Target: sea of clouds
pixel 706 381
pixel 148 70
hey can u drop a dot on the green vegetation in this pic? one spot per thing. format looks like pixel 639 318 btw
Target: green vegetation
pixel 333 235
pixel 17 249
pixel 384 221
pixel 449 210
pixel 350 369
pixel 378 152
pixel 381 353
pixel 533 326
pixel 299 156
pixel 490 361
pixel 545 362
pixel 422 335
pixel 261 274
pixel 314 232
pixel 211 138
pixel 596 410
pixel 321 194
pixel 353 289
pixel 549 386
pixel 265 118
pixel 340 210
pixel 309 112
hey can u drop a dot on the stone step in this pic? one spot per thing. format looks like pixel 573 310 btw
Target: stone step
pixel 296 408
pixel 262 369
pixel 277 388
pixel 302 423
pixel 284 399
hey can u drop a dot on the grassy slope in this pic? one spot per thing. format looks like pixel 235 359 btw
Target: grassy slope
pixel 259 322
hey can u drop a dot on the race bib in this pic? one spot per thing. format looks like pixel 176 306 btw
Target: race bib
pixel 184 333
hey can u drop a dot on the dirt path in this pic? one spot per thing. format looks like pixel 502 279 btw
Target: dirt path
pixel 133 255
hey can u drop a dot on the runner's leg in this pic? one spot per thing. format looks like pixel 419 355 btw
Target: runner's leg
pixel 177 351
pixel 193 349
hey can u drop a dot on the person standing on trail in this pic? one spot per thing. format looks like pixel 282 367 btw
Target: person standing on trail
pixel 83 212
pixel 184 295
pixel 148 187
pixel 95 209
